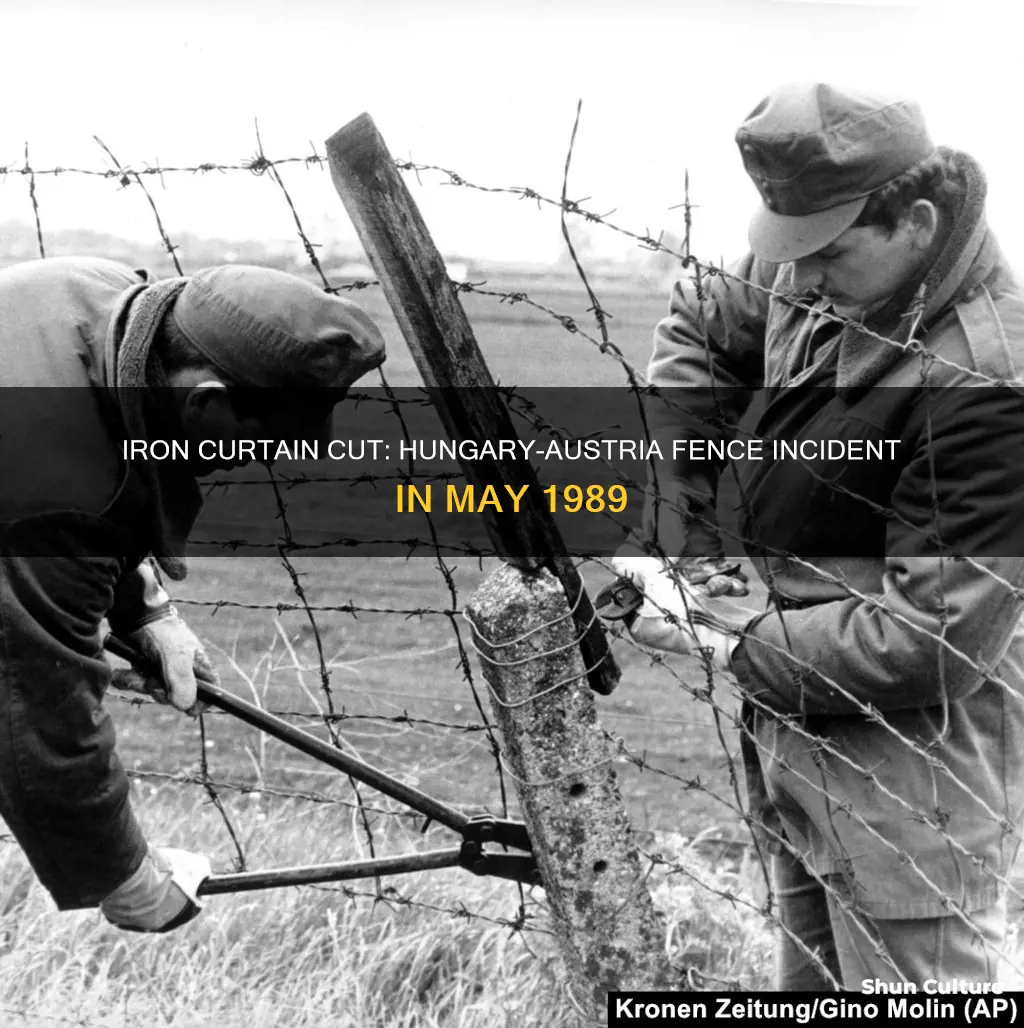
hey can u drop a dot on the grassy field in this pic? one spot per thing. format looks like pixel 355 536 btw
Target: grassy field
pixel 526 346
pixel 437 950
pixel 388 665
pixel 434 952
pixel 431 949
pixel 317 956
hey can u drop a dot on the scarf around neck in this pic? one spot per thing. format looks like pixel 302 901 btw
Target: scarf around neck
pixel 142 391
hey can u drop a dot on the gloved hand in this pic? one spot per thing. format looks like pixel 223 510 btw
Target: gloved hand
pixel 161 895
pixel 716 575
pixel 676 615
pixel 169 642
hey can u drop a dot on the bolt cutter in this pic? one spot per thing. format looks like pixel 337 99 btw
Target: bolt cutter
pixel 475 831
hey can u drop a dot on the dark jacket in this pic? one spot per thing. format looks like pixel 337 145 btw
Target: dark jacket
pixel 907 663
pixel 72 549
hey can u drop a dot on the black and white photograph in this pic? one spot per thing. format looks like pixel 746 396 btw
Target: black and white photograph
pixel 511 514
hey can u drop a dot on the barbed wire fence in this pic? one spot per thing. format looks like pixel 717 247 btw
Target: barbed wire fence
pixel 315 621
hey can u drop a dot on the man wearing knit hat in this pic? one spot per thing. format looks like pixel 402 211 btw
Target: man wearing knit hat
pixel 883 688
pixel 95 353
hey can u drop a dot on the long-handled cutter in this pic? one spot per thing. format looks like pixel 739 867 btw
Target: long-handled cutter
pixel 475 831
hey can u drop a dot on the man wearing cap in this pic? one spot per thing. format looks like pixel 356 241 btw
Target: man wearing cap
pixel 95 353
pixel 883 722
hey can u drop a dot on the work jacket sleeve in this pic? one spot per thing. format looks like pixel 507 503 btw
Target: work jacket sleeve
pixel 951 592
pixel 708 360
pixel 64 793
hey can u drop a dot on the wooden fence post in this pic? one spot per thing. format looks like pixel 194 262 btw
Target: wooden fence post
pixel 537 633
pixel 428 311
pixel 561 763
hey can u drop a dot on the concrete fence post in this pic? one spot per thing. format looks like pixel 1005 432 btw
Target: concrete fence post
pixel 562 766
pixel 459 383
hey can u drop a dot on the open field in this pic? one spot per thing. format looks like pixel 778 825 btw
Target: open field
pixel 389 665
pixel 307 956
pixel 437 949
pixel 526 346
pixel 434 952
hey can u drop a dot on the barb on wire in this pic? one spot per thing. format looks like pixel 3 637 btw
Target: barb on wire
pixel 126 176
pixel 261 162
pixel 714 695
pixel 601 316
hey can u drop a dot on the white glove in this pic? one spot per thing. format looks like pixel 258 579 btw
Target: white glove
pixel 677 616
pixel 161 895
pixel 169 642
pixel 716 576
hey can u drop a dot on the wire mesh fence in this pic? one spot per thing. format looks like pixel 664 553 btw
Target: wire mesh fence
pixel 375 653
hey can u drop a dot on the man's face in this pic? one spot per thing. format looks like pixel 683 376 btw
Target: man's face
pixel 861 270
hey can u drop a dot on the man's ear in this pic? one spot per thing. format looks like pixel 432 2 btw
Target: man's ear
pixel 924 223
pixel 206 400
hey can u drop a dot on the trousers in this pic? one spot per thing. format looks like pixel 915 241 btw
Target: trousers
pixel 842 947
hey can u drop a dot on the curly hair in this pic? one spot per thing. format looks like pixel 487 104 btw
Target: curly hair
pixel 939 178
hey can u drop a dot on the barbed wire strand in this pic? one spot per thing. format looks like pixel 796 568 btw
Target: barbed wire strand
pixel 702 273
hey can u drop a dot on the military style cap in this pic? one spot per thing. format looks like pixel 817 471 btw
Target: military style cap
pixel 816 153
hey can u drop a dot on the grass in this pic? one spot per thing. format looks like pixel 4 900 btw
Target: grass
pixel 318 956
pixel 314 956
pixel 524 346
pixel 335 955
pixel 292 958
pixel 386 666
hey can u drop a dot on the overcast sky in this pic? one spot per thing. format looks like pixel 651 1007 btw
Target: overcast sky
pixel 486 88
